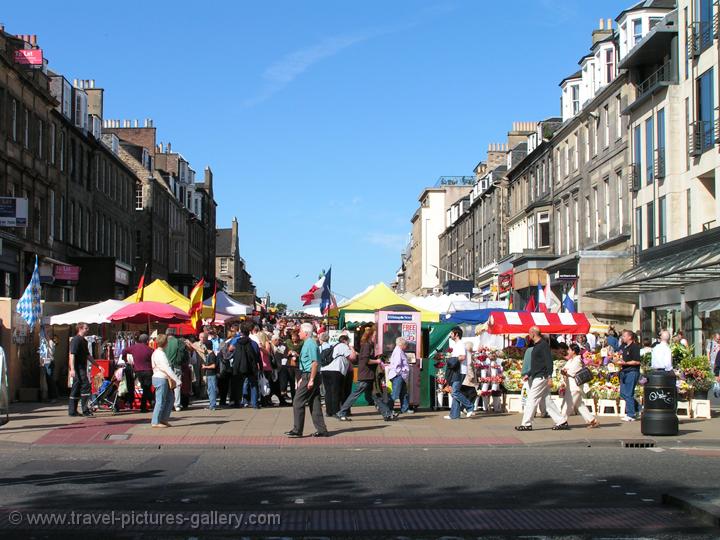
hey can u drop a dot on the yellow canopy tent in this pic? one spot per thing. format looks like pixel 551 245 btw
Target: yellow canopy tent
pixel 161 291
pixel 372 299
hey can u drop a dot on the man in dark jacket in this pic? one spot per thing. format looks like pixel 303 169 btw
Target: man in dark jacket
pixel 541 371
pixel 246 359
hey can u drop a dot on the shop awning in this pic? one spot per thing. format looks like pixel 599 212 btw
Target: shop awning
pixel 473 316
pixel 520 322
pixel 227 305
pixel 95 314
pixel 683 267
pixel 377 297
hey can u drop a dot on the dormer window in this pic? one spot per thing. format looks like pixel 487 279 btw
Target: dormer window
pixel 575 95
pixel 637 31
pixel 609 65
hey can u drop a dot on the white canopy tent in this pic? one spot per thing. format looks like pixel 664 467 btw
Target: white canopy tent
pixel 95 314
pixel 226 305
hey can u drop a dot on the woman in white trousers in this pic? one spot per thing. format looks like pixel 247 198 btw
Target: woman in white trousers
pixel 573 392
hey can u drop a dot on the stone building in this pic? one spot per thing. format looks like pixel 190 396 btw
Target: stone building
pixel 230 266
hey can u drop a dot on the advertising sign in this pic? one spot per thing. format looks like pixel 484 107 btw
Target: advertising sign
pixel 399 317
pixel 29 57
pixel 66 272
pixel 13 212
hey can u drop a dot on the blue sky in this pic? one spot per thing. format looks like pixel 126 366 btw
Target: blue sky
pixel 322 120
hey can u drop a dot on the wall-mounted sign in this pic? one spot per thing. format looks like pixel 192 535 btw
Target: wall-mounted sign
pixel 122 276
pixel 13 212
pixel 505 281
pixel 399 317
pixel 66 272
pixel 29 57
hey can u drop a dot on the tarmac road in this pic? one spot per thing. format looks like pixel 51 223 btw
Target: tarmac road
pixel 369 490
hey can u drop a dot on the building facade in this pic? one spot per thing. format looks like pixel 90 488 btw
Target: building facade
pixel 230 266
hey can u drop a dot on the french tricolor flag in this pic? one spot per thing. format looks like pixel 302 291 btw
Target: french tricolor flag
pixel 320 294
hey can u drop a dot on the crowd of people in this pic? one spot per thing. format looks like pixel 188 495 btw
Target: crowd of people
pixel 292 363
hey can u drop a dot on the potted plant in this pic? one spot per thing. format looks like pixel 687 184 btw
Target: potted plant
pixel 701 387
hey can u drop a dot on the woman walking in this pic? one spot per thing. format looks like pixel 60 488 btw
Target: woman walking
pixel 573 392
pixel 164 380
pixel 398 372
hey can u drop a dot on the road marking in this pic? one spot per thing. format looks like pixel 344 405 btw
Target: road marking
pixel 648 500
pixel 658 450
pixel 264 502
pixel 299 501
pixel 615 486
pixel 630 493
pixel 602 480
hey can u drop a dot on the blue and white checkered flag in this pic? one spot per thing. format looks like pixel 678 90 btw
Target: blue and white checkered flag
pixel 29 306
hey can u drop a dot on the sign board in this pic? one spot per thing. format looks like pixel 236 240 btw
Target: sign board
pixel 66 272
pixel 399 317
pixel 335 336
pixel 565 275
pixel 13 212
pixel 505 281
pixel 29 57
pixel 122 276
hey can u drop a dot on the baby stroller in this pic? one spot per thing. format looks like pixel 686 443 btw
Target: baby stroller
pixel 107 394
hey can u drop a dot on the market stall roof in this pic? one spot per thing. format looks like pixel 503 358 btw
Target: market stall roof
pixel 377 297
pixel 96 314
pixel 227 305
pixel 520 322
pixel 161 291
pixel 148 311
pixel 473 316
pixel 443 303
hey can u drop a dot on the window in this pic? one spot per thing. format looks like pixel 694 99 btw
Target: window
pixel 531 232
pixel 586 142
pixel 71 224
pixel 606 186
pixel 61 231
pixel 705 111
pixel 621 202
pixel 223 265
pixel 40 135
pixel 637 31
pixel 596 207
pixel 575 95
pixel 650 224
pixel 544 229
pixel 637 150
pixel 688 199
pixel 618 117
pixel 609 65
pixel 26 129
pixel 567 226
pixel 654 21
pixel 52 144
pixel 138 197
pixel 687 131
pixel 62 150
pixel 13 113
pixel 606 129
pixel 37 221
pixel 638 228
pixel 558 236
pixel 649 150
pixel 704 26
pixel 662 224
pixel 587 217
pixel 51 217
pixel 576 217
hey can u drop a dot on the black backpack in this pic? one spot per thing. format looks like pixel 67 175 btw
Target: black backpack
pixel 245 360
pixel 224 361
pixel 326 356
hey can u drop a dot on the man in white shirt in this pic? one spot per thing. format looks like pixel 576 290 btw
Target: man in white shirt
pixel 456 376
pixel 661 354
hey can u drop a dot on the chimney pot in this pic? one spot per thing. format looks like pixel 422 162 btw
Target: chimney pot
pixel 602 24
pixel 609 24
pixel 33 40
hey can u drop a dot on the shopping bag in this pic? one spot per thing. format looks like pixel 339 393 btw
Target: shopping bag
pixel 264 385
pixel 716 389
pixel 122 388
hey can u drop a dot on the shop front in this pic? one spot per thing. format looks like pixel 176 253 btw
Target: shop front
pixel 676 287
pixel 102 278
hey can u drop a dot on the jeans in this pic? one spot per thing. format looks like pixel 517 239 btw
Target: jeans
pixel 178 394
pixel 249 387
pixel 364 387
pixel 628 381
pixel 164 399
pixel 80 391
pixel 212 390
pixel 459 400
pixel 399 391
pixel 48 370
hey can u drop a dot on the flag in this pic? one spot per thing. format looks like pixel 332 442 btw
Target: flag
pixel 326 298
pixel 214 301
pixel 29 306
pixel 314 295
pixel 568 303
pixel 549 296
pixel 510 299
pixel 542 302
pixel 530 306
pixel 196 303
pixel 141 286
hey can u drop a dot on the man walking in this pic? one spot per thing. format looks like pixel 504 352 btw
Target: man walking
pixel 81 388
pixel 629 374
pixel 308 392
pixel 458 360
pixel 661 353
pixel 541 370
pixel 141 356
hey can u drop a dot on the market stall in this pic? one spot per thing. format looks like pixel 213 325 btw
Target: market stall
pixel 362 307
pixel 162 292
pixel 520 322
pixel 227 306
pixel 95 314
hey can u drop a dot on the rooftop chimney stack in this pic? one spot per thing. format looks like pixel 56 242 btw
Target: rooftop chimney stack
pixel 603 32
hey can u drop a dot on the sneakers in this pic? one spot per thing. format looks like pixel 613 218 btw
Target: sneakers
pixel 409 411
pixel 342 418
pixel 448 417
pixel 627 418
pixel 470 414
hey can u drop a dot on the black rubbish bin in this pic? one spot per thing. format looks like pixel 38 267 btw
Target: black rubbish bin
pixel 660 406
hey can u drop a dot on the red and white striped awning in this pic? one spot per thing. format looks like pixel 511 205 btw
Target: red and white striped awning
pixel 519 322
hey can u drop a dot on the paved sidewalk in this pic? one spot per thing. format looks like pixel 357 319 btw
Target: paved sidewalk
pixel 41 424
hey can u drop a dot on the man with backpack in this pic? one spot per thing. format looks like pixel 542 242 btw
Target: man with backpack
pixel 334 364
pixel 246 359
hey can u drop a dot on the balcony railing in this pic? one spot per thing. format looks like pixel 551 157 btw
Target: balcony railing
pixel 702 137
pixel 699 37
pixel 659 163
pixel 664 74
pixel 635 177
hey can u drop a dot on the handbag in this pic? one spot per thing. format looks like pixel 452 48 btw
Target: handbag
pixel 264 385
pixel 172 385
pixel 583 376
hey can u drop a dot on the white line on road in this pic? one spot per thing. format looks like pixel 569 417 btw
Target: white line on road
pixel 299 501
pixel 657 450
